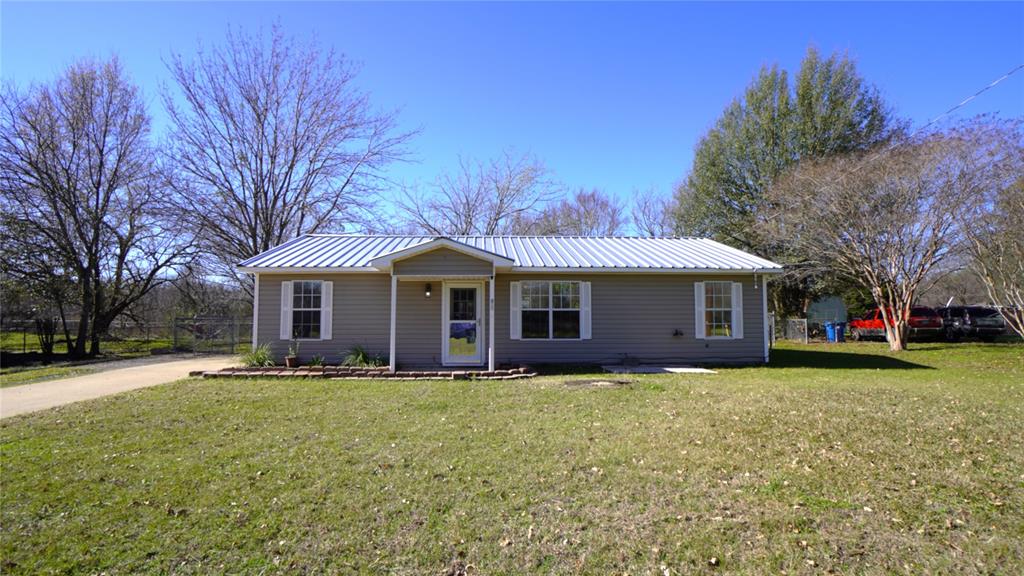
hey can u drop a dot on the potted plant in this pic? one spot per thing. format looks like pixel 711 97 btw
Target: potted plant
pixel 292 359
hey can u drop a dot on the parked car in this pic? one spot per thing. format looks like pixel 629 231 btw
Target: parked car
pixel 972 322
pixel 924 324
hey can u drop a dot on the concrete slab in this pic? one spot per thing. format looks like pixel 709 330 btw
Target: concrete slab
pixel 656 370
pixel 42 395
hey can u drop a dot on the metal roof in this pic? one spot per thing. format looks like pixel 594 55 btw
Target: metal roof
pixel 317 252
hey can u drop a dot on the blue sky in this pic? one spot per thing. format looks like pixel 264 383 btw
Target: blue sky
pixel 613 96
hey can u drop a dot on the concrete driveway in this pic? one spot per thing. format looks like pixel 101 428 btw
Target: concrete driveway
pixel 42 395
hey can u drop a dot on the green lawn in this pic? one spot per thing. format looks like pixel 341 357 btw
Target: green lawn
pixel 880 464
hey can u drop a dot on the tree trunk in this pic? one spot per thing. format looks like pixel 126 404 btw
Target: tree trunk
pixel 83 321
pixel 897 336
pixel 894 325
pixel 776 301
pixel 99 325
pixel 64 325
pixel 94 344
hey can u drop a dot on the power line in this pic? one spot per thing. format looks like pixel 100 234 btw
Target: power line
pixel 962 103
pixel 965 101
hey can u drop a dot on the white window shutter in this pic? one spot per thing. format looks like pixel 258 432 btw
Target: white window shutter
pixel 737 310
pixel 286 310
pixel 326 309
pixel 698 310
pixel 585 310
pixel 515 317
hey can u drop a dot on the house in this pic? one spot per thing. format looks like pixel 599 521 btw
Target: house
pixel 482 301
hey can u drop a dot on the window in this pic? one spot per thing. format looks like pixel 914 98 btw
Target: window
pixel 550 310
pixel 306 305
pixel 718 309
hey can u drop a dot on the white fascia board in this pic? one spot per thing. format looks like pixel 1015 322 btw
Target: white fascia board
pixel 610 270
pixel 307 270
pixel 514 270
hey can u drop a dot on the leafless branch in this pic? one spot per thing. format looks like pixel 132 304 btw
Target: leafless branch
pixel 271 139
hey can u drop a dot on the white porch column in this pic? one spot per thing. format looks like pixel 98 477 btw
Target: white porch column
pixel 255 308
pixel 490 324
pixel 392 363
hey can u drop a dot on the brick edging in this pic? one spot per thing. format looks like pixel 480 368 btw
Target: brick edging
pixel 355 373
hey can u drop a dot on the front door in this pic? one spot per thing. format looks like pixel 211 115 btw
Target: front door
pixel 461 338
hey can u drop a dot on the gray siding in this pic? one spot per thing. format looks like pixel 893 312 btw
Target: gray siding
pixel 419 324
pixel 443 261
pixel 632 314
pixel 635 315
pixel 362 305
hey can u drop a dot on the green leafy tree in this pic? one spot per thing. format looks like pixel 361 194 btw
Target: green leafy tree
pixel 829 109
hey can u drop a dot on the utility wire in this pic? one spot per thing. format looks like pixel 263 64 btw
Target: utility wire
pixel 965 101
pixel 962 103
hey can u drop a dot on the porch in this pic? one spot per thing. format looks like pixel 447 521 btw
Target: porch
pixel 442 305
pixel 442 322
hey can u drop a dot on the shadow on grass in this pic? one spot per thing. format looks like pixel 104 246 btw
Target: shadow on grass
pixel 782 358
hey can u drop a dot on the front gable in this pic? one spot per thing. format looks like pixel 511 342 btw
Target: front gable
pixel 439 257
pixel 442 262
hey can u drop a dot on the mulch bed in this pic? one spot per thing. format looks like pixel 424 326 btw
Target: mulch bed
pixel 358 373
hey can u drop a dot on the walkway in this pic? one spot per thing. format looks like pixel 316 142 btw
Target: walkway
pixel 42 395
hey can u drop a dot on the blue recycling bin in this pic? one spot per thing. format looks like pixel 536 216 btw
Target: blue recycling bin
pixel 840 331
pixel 830 331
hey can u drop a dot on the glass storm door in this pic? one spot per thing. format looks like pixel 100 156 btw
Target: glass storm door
pixel 462 324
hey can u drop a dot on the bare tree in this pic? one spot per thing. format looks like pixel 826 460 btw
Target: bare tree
pixel 36 282
pixel 885 219
pixel 502 196
pixel 79 184
pixel 996 245
pixel 954 281
pixel 272 139
pixel 198 293
pixel 653 214
pixel 586 213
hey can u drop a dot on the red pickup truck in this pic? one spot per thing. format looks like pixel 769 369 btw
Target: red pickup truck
pixel 924 323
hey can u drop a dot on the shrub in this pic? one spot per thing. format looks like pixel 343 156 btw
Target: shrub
pixel 316 360
pixel 259 357
pixel 359 356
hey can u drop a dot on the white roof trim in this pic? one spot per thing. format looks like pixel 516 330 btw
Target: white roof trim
pixel 308 270
pixel 515 270
pixel 385 261
pixel 623 270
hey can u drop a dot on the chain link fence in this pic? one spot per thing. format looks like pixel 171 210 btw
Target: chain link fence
pixel 192 334
pixel 795 329
pixel 212 334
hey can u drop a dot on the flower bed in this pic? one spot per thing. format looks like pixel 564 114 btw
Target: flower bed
pixel 367 373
